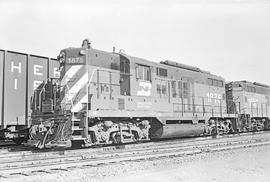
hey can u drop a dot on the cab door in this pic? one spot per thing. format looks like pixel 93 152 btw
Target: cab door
pixel 124 75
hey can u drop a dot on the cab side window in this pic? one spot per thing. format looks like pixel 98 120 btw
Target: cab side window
pixel 143 72
pixel 214 82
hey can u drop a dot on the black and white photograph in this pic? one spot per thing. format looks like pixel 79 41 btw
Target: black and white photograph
pixel 135 90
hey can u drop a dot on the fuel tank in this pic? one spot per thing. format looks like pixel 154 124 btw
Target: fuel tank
pixel 178 130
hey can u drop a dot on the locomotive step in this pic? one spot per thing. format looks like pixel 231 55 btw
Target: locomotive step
pixel 76 128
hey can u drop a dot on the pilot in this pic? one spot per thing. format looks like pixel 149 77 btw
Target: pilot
pixel 86 44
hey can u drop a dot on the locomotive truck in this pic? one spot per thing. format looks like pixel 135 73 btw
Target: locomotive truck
pixel 106 98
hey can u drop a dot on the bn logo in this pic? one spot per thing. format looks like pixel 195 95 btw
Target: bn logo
pixel 144 89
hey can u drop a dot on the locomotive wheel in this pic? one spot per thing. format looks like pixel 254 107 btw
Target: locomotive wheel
pixel 261 125
pixel 255 126
pixel 220 130
pixel 213 131
pixel 117 139
pixel 18 141
pixel 135 136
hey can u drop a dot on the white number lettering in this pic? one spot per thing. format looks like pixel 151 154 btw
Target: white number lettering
pixel 215 96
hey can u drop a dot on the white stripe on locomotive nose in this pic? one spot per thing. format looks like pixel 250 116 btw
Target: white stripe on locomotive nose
pixel 79 105
pixel 70 73
pixel 76 88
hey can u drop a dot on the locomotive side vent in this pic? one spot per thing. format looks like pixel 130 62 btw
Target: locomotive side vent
pixel 121 103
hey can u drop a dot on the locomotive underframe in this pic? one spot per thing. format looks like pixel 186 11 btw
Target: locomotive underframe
pixel 50 130
pixel 118 130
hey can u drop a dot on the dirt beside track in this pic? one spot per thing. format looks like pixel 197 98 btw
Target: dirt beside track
pixel 248 164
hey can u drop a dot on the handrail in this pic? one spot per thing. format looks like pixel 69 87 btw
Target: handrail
pixel 42 90
pixel 219 105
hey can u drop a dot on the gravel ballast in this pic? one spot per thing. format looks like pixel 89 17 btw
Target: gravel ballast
pixel 248 164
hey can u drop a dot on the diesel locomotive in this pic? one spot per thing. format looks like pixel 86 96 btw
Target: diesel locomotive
pixel 110 98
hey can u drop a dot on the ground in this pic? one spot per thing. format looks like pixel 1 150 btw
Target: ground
pixel 248 164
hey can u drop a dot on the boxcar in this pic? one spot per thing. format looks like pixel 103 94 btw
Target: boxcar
pixel 21 74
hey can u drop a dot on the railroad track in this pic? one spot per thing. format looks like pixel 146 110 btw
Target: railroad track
pixel 8 147
pixel 4 144
pixel 29 163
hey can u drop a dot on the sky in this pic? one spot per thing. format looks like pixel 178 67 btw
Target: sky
pixel 229 38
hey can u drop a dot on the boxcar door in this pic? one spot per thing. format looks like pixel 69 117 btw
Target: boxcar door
pixel 124 75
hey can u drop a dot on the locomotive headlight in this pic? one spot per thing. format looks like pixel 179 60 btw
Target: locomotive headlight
pixel 61 58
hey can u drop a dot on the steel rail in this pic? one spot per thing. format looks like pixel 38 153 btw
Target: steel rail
pixel 7 155
pixel 107 157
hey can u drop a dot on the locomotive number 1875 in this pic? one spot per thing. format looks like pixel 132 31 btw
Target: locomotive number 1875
pixel 76 60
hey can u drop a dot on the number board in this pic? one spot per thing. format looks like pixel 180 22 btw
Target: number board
pixel 75 60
